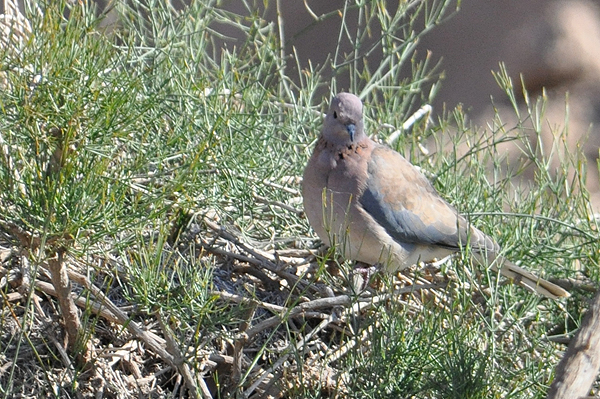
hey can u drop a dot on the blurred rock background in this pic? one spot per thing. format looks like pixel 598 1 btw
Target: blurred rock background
pixel 554 44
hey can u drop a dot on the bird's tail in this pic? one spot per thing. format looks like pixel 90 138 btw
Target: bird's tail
pixel 532 282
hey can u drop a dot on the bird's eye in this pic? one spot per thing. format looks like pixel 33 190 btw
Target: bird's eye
pixel 334 115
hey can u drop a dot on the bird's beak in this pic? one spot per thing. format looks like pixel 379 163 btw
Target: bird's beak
pixel 351 128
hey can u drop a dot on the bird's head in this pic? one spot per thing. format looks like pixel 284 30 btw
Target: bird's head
pixel 344 121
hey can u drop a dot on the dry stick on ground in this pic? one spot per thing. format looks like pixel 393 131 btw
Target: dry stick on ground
pixel 82 302
pixel 287 353
pixel 265 262
pixel 240 342
pixel 270 284
pixel 174 360
pixel 320 303
pixel 304 309
pixel 315 304
pixel 256 257
pixel 123 319
pixel 578 368
pixel 259 258
pixel 279 204
pixel 60 281
pixel 184 369
pixel 66 361
pixel 62 284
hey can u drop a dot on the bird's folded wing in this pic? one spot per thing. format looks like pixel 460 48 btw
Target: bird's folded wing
pixel 406 205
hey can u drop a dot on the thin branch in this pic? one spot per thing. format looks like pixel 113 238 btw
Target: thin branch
pixel 123 319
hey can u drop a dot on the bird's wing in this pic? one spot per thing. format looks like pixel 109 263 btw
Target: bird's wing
pixel 407 206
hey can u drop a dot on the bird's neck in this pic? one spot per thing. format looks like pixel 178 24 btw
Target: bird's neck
pixel 345 149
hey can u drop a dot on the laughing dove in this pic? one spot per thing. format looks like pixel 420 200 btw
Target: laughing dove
pixel 377 208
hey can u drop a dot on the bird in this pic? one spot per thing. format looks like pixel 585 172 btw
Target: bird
pixel 377 208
